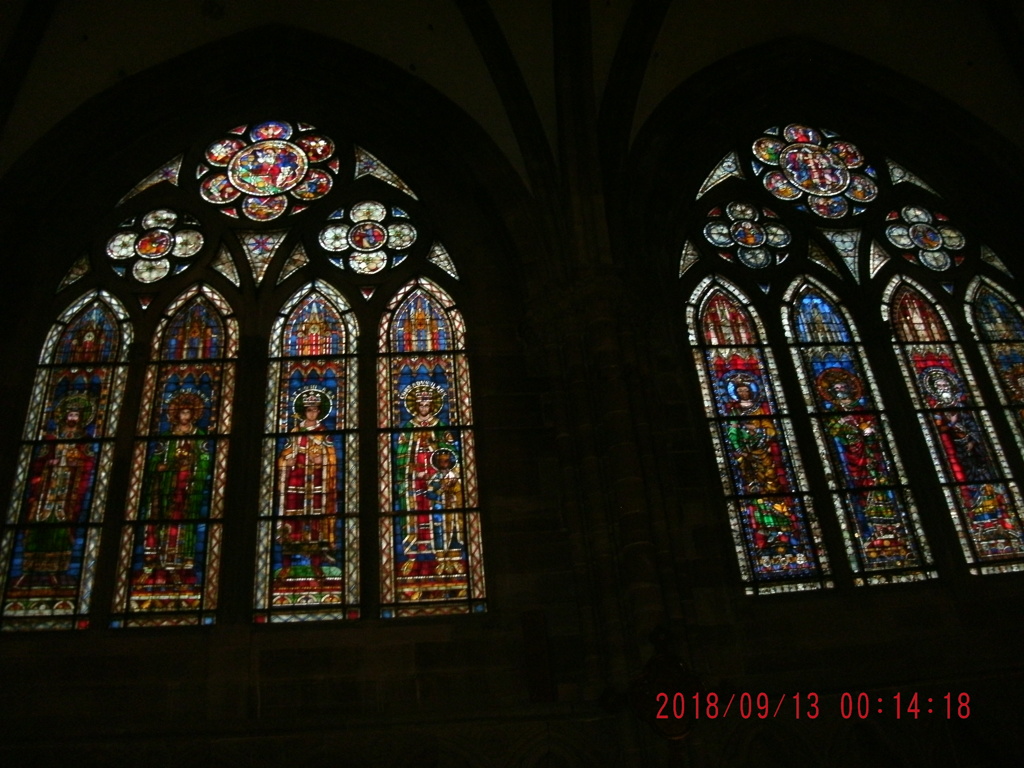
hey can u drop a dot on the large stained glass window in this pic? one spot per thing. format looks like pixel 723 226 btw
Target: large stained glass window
pixel 430 549
pixel 51 533
pixel 307 564
pixel 314 524
pixel 984 502
pixel 820 176
pixel 776 534
pixel 168 562
pixel 883 536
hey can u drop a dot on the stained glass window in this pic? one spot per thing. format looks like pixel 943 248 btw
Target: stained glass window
pixel 251 169
pixel 739 231
pixel 153 246
pixel 815 169
pixel 430 548
pixel 776 534
pixel 165 566
pixel 307 564
pixel 368 237
pixel 928 239
pixel 51 533
pixel 971 465
pixel 168 563
pixel 999 325
pixel 799 170
pixel 883 536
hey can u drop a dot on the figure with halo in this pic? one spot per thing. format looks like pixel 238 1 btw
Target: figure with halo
pixel 307 482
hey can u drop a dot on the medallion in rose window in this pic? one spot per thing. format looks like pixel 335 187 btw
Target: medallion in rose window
pixel 267 171
pixel 815 170
pixel 928 235
pixel 155 245
pixel 373 238
pixel 747 233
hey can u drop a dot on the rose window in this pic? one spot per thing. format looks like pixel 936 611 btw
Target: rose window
pixel 752 234
pixel 267 171
pixel 368 237
pixel 153 246
pixel 815 170
pixel 928 235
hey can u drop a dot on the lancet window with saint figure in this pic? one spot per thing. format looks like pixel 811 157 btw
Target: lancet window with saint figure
pixel 169 558
pixel 775 532
pixel 51 534
pixel 983 500
pixel 881 529
pixel 307 564
pixel 430 523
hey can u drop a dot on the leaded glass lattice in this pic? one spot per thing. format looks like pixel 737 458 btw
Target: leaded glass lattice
pixel 883 536
pixel 777 538
pixel 169 559
pixel 307 565
pixel 984 502
pixel 51 533
pixel 431 559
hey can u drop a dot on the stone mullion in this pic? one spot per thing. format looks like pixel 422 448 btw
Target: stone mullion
pixel 639 377
pixel 581 500
pixel 620 515
pixel 638 558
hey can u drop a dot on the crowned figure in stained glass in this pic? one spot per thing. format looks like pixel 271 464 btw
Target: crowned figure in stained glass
pixel 427 479
pixel 307 487
pixel 970 462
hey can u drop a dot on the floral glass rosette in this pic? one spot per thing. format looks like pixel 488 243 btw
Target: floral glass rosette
pixel 268 170
pixel 815 170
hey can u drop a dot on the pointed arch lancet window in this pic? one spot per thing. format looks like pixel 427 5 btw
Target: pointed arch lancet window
pixel 51 534
pixel 169 559
pixel 430 547
pixel 883 536
pixel 777 538
pixel 998 324
pixel 984 503
pixel 307 565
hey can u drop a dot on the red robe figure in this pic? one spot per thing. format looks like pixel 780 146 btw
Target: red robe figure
pixel 59 484
pixel 307 472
